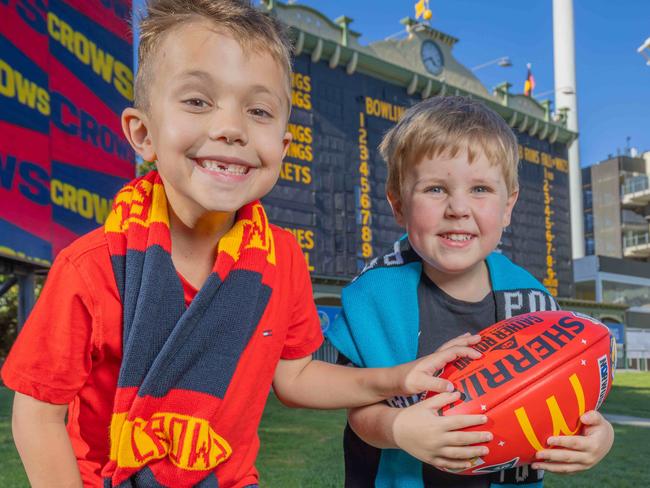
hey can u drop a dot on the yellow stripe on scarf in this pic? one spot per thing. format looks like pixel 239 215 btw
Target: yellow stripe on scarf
pixel 260 235
pixel 129 207
pixel 188 442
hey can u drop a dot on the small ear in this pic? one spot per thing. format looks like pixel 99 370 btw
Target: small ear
pixel 396 206
pixel 135 127
pixel 286 142
pixel 510 204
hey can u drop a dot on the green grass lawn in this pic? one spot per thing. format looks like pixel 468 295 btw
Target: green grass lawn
pixel 624 467
pixel 302 448
pixel 630 395
pixel 11 469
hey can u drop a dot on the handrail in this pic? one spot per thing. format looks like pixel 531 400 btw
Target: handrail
pixel 634 240
pixel 635 184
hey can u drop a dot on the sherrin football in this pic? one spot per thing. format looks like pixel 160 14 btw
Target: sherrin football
pixel 538 374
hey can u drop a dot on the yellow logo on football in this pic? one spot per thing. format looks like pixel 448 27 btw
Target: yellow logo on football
pixel 559 422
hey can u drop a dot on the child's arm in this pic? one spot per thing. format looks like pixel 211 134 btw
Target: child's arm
pixel 315 384
pixel 578 452
pixel 43 443
pixel 421 432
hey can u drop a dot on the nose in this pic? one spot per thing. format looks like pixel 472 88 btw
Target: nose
pixel 457 206
pixel 228 125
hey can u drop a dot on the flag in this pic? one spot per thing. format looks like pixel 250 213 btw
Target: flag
pixel 529 84
pixel 422 10
pixel 420 7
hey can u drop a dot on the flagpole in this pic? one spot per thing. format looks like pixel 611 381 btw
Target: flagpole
pixel 565 76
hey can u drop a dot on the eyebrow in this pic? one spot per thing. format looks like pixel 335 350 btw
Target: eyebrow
pixel 264 89
pixel 436 180
pixel 484 179
pixel 203 75
pixel 427 181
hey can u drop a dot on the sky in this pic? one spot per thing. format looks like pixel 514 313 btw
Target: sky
pixel 613 81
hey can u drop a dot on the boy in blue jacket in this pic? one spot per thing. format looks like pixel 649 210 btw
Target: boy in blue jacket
pixel 452 184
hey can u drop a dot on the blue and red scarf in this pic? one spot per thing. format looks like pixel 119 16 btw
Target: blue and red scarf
pixel 178 361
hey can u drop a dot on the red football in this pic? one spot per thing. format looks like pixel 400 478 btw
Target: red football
pixel 538 374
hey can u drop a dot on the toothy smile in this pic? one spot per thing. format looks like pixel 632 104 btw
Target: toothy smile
pixel 234 169
pixel 225 167
pixel 457 237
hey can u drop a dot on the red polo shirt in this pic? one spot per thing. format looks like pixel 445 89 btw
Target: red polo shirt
pixel 70 350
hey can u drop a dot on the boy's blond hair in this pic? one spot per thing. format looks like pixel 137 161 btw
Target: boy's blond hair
pixel 447 126
pixel 251 28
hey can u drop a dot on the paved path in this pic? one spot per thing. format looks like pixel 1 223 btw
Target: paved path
pixel 627 420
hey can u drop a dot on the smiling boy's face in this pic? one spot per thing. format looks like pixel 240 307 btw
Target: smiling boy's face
pixel 216 123
pixel 454 212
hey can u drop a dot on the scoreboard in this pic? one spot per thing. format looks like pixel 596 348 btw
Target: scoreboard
pixel 331 192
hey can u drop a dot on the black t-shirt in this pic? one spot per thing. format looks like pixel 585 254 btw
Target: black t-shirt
pixel 442 317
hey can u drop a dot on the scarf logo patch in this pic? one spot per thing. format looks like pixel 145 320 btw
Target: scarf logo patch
pixel 189 442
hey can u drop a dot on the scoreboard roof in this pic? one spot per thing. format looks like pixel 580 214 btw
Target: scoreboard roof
pixel 411 63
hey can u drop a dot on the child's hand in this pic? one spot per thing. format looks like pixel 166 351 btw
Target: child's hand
pixel 418 376
pixel 579 452
pixel 466 339
pixel 433 439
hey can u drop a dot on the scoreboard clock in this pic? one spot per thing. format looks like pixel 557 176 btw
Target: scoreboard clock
pixel 432 58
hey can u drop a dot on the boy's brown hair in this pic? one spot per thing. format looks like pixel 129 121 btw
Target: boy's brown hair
pixel 446 126
pixel 254 30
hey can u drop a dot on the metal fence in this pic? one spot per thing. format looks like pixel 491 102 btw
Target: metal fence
pixel 638 348
pixel 327 352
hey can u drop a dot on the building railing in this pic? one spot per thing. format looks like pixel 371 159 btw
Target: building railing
pixel 635 240
pixel 635 184
pixel 629 217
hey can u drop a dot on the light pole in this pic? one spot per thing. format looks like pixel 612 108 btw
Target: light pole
pixel 503 61
pixel 564 64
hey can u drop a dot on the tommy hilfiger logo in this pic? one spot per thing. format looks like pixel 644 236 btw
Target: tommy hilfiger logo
pixel 267 333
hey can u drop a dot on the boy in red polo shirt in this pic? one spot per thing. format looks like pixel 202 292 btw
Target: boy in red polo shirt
pixel 160 334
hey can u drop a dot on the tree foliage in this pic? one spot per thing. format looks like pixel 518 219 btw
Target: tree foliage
pixel 143 167
pixel 9 314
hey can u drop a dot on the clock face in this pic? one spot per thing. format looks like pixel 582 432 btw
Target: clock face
pixel 432 57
